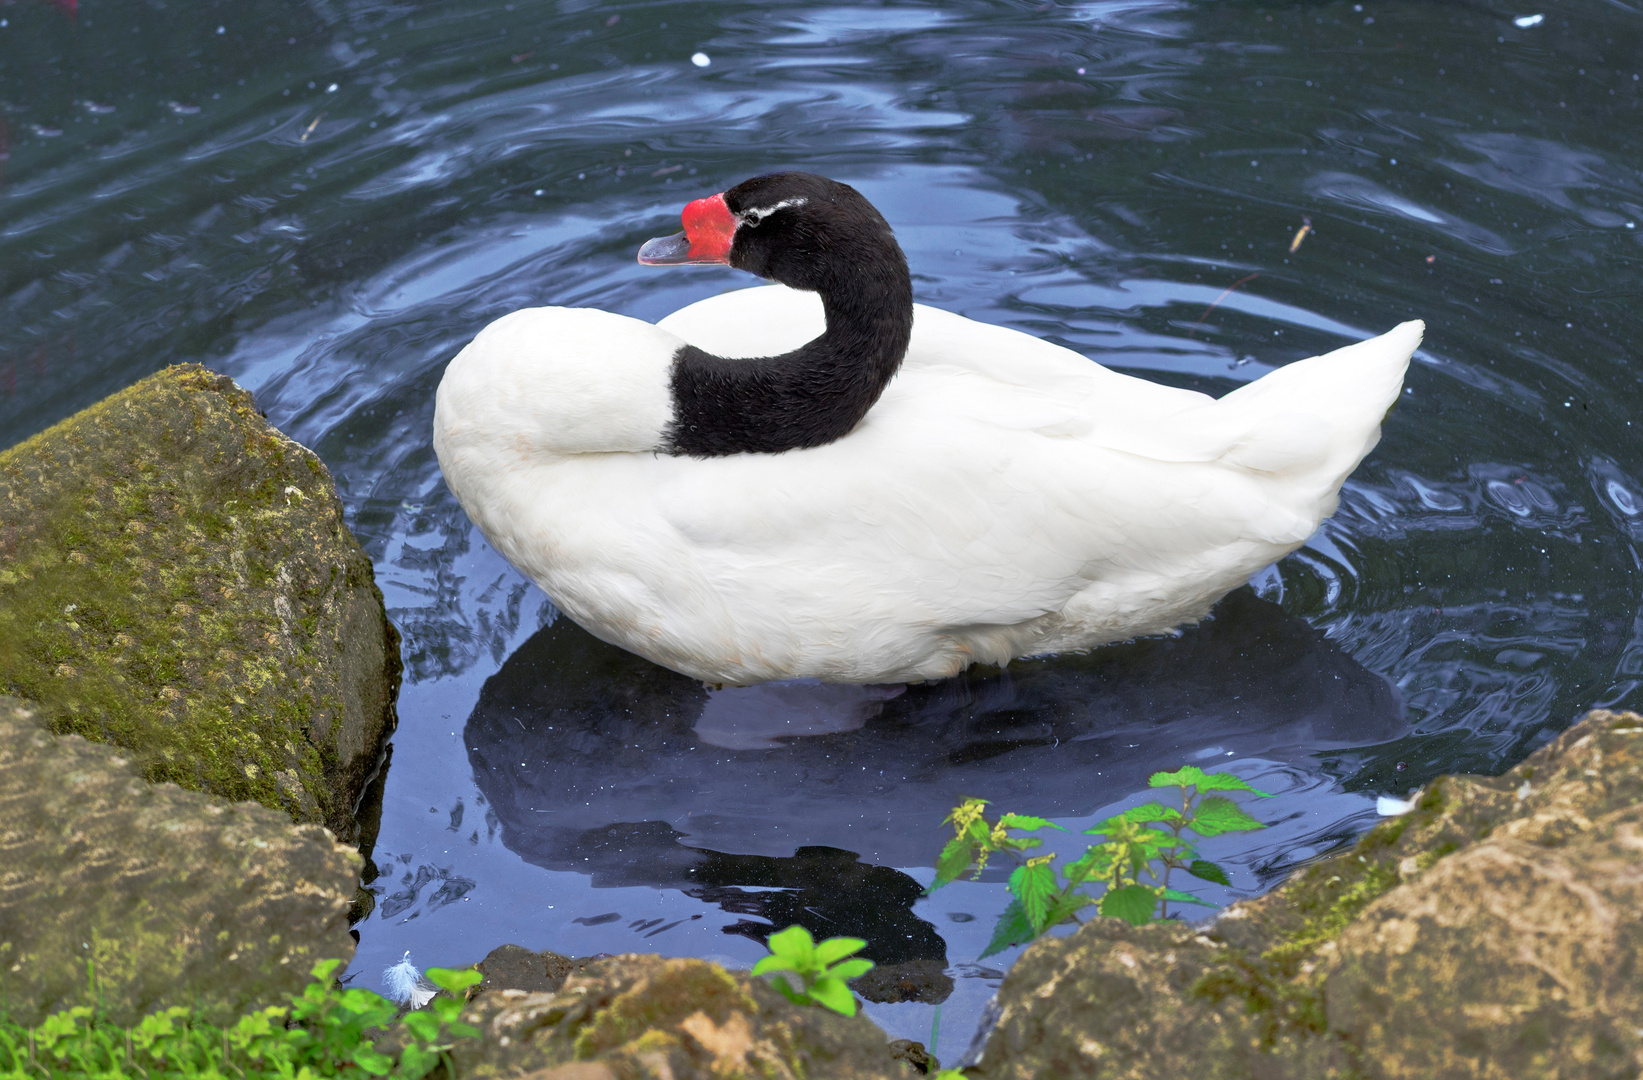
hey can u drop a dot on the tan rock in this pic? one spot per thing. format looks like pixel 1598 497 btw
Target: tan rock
pixel 1495 931
pixel 135 896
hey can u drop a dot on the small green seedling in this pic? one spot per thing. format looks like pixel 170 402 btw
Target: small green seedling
pixel 811 974
pixel 1132 864
pixel 325 1032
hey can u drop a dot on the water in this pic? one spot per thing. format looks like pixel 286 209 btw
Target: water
pixel 326 200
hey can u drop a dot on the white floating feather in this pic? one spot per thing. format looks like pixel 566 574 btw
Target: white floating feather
pixel 406 985
pixel 1388 806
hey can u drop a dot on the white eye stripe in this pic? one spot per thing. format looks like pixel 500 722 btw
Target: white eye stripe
pixel 754 215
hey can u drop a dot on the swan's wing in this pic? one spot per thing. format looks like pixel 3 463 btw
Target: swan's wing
pixel 941 510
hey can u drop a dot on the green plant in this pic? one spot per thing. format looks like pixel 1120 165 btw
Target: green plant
pixel 1141 848
pixel 325 1032
pixel 820 970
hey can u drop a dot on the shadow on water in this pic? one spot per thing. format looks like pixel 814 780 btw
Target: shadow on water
pixel 792 803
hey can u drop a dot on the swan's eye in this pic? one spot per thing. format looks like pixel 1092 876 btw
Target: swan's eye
pixel 755 214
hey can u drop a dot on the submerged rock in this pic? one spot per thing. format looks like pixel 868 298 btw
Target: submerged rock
pixel 1494 931
pixel 136 896
pixel 176 580
pixel 631 1017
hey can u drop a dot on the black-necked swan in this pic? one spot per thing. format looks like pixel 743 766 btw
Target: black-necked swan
pixel 823 479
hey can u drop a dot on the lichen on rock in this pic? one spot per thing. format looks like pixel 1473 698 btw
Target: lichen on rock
pixel 176 580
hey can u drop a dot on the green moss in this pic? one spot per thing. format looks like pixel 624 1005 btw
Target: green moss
pixel 173 586
pixel 1337 903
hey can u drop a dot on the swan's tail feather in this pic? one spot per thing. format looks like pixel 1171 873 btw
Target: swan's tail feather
pixel 1318 418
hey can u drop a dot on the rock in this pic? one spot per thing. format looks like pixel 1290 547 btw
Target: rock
pixel 1494 931
pixel 178 582
pixel 163 896
pixel 633 1016
pixel 514 967
pixel 915 1054
pixel 911 980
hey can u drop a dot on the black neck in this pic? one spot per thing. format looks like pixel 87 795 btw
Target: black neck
pixel 813 395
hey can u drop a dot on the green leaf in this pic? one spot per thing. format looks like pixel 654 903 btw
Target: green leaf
pixel 1096 862
pixel 1152 812
pixel 1012 929
pixel 1065 907
pixel 796 996
pixel 955 860
pixel 1108 825
pixel 1185 898
pixel 322 972
pixel 466 1031
pixel 423 1025
pixel 415 1062
pixel 850 969
pixel 1034 884
pixel 773 963
pixel 1135 904
pixel 833 994
pixel 796 943
pixel 1208 871
pixel 1225 781
pixel 1218 814
pixel 1027 822
pixel 377 1064
pixel 456 981
pixel 837 948
pixel 1190 776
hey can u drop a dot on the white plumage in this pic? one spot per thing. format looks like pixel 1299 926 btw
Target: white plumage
pixel 1005 497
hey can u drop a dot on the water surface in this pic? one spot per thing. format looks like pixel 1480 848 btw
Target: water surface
pixel 326 200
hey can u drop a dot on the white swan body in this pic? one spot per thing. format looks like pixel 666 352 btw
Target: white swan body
pixel 1005 496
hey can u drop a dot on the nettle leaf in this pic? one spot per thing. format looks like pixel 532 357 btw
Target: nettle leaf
pixel 834 995
pixel 1190 776
pixel 955 860
pixel 1225 781
pixel 1185 898
pixel 1012 929
pixel 1208 871
pixel 1096 862
pixel 837 948
pixel 1152 812
pixel 1065 907
pixel 1028 822
pixel 1218 814
pixel 1034 885
pixel 1135 904
pixel 1105 827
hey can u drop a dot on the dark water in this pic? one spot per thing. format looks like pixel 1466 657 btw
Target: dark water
pixel 326 200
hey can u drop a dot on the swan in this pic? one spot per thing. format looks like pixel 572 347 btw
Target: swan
pixel 821 479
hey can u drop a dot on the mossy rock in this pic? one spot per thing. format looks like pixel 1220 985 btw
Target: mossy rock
pixel 176 580
pixel 131 896
pixel 1491 932
pixel 637 1017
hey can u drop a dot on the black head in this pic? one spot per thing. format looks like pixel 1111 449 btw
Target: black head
pixel 811 233
pixel 803 230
